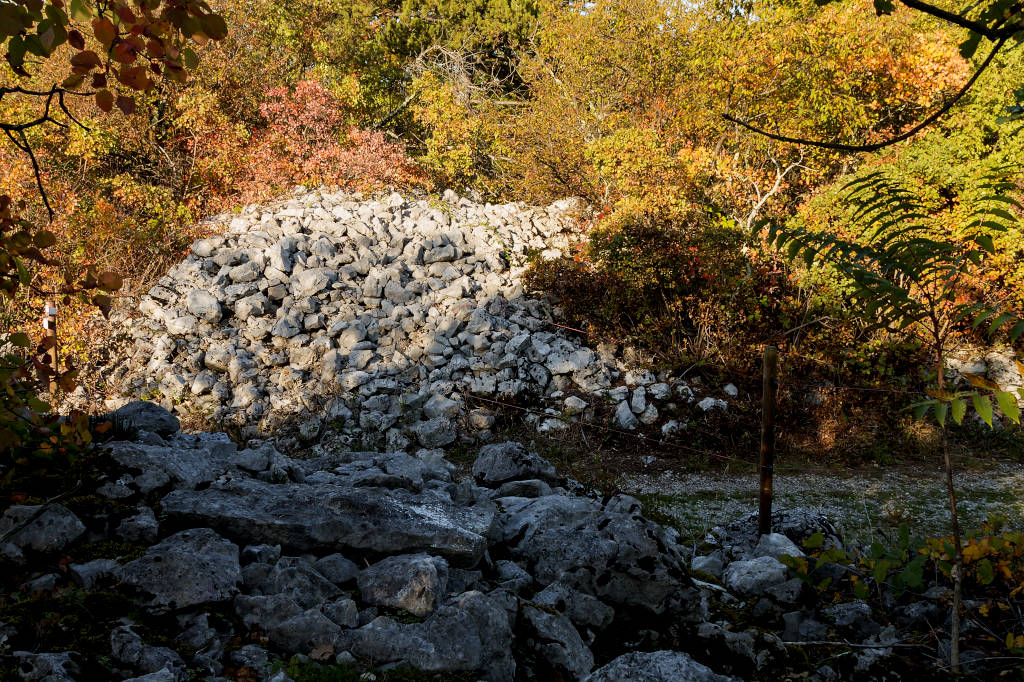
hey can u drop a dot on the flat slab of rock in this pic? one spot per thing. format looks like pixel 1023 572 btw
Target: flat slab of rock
pixel 307 517
pixel 188 460
pixel 189 568
pixel 656 666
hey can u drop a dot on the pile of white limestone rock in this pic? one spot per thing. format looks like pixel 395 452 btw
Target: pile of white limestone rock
pixel 376 320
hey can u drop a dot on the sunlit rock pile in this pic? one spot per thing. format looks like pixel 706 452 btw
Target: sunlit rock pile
pixel 376 319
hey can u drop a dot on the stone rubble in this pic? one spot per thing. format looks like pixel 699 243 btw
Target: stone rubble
pixel 323 315
pixel 374 559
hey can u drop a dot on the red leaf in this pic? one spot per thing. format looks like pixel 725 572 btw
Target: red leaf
pixel 126 105
pixel 76 40
pixel 125 15
pixel 124 52
pixel 86 59
pixel 105 100
pixel 135 78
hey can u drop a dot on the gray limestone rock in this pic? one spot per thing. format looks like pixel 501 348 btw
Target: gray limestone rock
pixel 203 305
pixel 91 574
pixel 42 529
pixel 127 647
pixel 287 624
pixel 337 568
pixel 611 553
pixel 557 642
pixel 328 517
pixel 48 667
pixel 189 568
pixel 751 577
pixel 656 666
pixel 142 415
pixel 141 528
pixel 413 582
pixel 188 461
pixel 435 433
pixel 499 463
pixel 471 632
pixel 582 609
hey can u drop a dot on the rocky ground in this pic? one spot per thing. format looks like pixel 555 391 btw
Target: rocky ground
pixel 868 504
pixel 197 559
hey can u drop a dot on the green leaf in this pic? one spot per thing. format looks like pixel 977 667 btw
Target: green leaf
pixel 983 406
pixel 815 541
pixel 913 574
pixel 921 409
pixel 985 242
pixel 998 322
pixel 23 275
pixel 81 11
pixel 861 591
pixel 1008 405
pixel 20 339
pixel 881 570
pixel 941 410
pixel 985 572
pixel 191 60
pixel 959 406
pixel 13 19
pixel 1016 331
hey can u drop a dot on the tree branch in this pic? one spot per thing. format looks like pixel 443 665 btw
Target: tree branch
pixel 991 32
pixel 841 147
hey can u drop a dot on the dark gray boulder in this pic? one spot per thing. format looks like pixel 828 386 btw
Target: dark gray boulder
pixel 499 463
pixel 52 530
pixel 297 579
pixel 413 582
pixel 470 632
pixel 286 624
pixel 608 552
pixel 557 643
pixel 127 647
pixel 656 666
pixel 187 569
pixel 141 415
pixel 48 667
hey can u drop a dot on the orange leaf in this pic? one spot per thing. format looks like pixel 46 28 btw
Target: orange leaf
pixel 104 31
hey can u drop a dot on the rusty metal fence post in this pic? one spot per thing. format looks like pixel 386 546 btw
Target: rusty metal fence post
pixel 767 464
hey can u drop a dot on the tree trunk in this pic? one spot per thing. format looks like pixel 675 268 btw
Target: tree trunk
pixel 958 564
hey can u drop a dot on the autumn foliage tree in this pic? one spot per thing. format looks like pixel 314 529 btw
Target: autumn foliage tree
pixel 109 53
